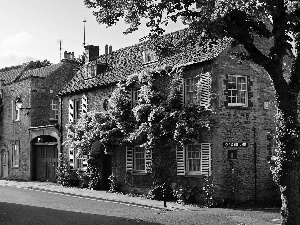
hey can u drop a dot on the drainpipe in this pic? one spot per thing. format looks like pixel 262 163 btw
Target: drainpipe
pixel 255 164
pixel 60 125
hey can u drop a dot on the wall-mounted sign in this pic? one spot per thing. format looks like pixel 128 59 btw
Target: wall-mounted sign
pixel 235 144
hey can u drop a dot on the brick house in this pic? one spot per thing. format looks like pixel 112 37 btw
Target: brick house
pixel 235 152
pixel 30 136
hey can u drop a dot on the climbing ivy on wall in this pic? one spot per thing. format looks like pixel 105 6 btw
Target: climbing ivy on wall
pixel 159 120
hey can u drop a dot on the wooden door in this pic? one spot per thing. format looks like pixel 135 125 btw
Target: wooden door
pixel 4 164
pixel 46 162
pixel 106 171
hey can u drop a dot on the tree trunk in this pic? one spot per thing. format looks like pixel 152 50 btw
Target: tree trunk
pixel 286 170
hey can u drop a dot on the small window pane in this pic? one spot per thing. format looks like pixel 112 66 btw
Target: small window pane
pixel 237 90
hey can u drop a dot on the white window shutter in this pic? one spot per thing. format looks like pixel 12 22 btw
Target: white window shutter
pixel 205 159
pixel 180 159
pixel 71 158
pixel 84 104
pixel 148 161
pixel 84 162
pixel 71 110
pixel 129 158
pixel 205 80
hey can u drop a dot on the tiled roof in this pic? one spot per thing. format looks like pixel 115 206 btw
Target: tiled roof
pixel 21 72
pixel 11 73
pixel 129 60
pixel 40 72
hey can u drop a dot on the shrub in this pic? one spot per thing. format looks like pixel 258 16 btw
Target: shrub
pixel 64 175
pixel 157 193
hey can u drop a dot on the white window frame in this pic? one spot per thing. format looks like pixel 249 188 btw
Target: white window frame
pixel 54 108
pixel 183 160
pixel 80 162
pixel 236 90
pixel 190 157
pixel 149 56
pixel 16 154
pixel 139 156
pixel 132 156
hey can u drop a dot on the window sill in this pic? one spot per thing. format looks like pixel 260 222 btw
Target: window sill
pixel 237 107
pixel 139 173
pixel 194 175
pixel 15 167
pixel 150 62
pixel 51 119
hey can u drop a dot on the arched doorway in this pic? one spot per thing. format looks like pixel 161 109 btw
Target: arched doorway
pixel 45 158
pixel 4 163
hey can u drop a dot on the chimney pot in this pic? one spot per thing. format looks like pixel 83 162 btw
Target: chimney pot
pixel 110 49
pixel 106 49
pixel 65 54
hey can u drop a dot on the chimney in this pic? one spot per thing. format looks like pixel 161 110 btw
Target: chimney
pixel 110 49
pixel 91 53
pixel 106 49
pixel 68 56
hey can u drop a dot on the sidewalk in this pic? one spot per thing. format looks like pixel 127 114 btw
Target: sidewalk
pixel 96 194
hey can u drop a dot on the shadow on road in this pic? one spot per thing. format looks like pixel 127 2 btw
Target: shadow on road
pixel 11 214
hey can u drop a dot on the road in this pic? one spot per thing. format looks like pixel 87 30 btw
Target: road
pixel 26 206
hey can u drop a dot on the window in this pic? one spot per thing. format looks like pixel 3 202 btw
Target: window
pixel 15 111
pixel 194 159
pixel 193 153
pixel 15 153
pixel 54 109
pixel 197 89
pixel 237 90
pixel 77 162
pixel 77 107
pixel 191 90
pixel 93 70
pixel 135 96
pixel 149 56
pixel 138 160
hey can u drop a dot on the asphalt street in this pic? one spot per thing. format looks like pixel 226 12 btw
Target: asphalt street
pixel 29 206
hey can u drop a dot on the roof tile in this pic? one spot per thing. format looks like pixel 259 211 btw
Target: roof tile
pixel 129 60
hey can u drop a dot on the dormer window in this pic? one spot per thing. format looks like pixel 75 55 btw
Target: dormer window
pixel 149 56
pixel 93 70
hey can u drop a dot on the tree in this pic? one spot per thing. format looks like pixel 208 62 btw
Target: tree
pixel 38 64
pixel 275 21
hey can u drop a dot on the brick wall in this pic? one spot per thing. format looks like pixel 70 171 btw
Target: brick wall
pixel 238 125
pixel 36 94
pixel 16 130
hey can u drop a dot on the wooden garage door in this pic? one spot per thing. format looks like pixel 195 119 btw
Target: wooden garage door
pixel 46 162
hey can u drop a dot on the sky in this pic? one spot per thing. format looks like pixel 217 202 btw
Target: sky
pixel 31 29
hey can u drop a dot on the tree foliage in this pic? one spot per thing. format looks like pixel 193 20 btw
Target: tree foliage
pixel 38 64
pixel 247 22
